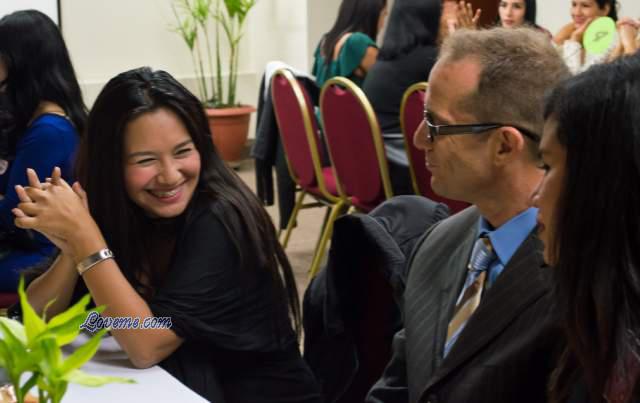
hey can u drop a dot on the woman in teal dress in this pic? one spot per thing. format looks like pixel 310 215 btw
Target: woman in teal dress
pixel 349 48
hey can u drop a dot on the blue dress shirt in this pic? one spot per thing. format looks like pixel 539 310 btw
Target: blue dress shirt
pixel 507 239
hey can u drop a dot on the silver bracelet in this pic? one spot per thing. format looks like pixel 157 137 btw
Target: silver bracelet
pixel 92 260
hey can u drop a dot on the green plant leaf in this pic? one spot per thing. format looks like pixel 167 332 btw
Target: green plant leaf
pixel 82 378
pixel 51 357
pixel 79 307
pixel 201 10
pixel 6 358
pixel 33 324
pixel 83 353
pixel 43 385
pixel 21 359
pixel 16 328
pixel 66 326
pixel 29 384
pixel 66 332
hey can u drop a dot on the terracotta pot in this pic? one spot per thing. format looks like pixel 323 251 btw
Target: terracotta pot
pixel 229 129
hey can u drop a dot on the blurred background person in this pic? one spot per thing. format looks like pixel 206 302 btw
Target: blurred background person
pixel 408 52
pixel 48 115
pixel 590 152
pixel 569 38
pixel 349 48
pixel 516 13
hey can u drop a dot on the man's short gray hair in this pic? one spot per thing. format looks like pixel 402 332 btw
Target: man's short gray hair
pixel 518 66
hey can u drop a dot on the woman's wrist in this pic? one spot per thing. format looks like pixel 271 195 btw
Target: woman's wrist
pixel 87 243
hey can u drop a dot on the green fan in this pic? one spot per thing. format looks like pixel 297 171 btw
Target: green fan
pixel 599 35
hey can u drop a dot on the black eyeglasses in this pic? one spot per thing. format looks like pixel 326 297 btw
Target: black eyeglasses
pixel 449 130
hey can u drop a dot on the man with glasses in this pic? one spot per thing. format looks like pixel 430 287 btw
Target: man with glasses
pixel 476 306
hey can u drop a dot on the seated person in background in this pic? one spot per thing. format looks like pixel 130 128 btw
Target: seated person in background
pixel 569 38
pixel 47 115
pixel 408 52
pixel 189 241
pixel 516 13
pixel 591 157
pixel 349 48
pixel 460 344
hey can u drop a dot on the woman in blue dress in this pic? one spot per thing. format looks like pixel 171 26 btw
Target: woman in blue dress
pixel 44 115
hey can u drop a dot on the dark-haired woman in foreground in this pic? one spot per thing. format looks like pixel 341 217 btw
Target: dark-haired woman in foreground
pixel 349 48
pixel 41 128
pixel 170 231
pixel 589 218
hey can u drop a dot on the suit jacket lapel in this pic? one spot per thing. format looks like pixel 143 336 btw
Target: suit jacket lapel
pixel 517 287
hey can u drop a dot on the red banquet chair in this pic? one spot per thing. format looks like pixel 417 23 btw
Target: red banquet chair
pixel 7 299
pixel 299 135
pixel 352 134
pixel 411 115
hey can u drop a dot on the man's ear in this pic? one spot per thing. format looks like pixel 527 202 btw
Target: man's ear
pixel 509 144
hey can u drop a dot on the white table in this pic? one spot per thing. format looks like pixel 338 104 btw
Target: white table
pixel 153 385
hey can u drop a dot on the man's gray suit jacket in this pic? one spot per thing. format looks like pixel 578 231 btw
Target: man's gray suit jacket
pixel 508 347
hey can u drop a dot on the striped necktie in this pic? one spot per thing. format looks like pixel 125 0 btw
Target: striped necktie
pixel 481 258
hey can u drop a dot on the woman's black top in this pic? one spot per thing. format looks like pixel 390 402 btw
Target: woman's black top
pixel 387 80
pixel 239 345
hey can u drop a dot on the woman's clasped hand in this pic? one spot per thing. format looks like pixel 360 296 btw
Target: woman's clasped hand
pixel 56 209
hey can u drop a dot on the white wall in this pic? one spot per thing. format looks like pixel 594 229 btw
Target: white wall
pixel 109 37
pixel 553 14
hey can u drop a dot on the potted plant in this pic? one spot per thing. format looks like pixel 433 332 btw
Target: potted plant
pixel 228 120
pixel 33 349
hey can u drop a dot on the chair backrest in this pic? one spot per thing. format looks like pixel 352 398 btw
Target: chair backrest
pixel 352 135
pixel 7 299
pixel 298 130
pixel 411 115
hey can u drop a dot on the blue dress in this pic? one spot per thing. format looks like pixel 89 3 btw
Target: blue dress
pixel 50 141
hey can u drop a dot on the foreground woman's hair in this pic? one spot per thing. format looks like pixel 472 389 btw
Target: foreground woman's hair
pixel 597 246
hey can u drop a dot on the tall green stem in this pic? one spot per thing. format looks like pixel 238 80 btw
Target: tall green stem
pixel 195 70
pixel 218 58
pixel 201 67
pixel 231 89
pixel 213 87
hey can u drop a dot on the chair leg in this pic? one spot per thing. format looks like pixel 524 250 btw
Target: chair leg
pixel 324 226
pixel 336 211
pixel 292 219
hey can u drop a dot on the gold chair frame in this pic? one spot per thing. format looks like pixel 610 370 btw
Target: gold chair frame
pixel 336 205
pixel 421 86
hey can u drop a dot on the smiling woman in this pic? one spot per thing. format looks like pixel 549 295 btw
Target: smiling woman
pixel 569 38
pixel 162 166
pixel 165 229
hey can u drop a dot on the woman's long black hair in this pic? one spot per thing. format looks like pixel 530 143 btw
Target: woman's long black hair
pixel 125 226
pixel 412 23
pixel 353 16
pixel 613 7
pixel 597 238
pixel 39 69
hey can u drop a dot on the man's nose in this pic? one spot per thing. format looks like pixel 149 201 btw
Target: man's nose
pixel 420 136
